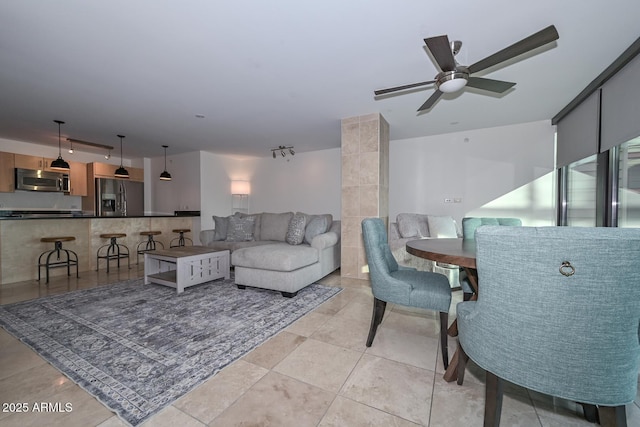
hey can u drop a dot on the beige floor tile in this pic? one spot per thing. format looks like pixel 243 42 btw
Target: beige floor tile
pixel 392 387
pixel 113 422
pixel 171 417
pixel 415 321
pixel 417 350
pixel 308 324
pixel 277 400
pixel 84 411
pixel 216 394
pixel 16 357
pixel 320 364
pixel 354 337
pixel 345 412
pixel 271 352
pixel 33 385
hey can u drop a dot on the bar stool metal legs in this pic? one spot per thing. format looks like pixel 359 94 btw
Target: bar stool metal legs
pixel 180 240
pixel 114 250
pixel 71 257
pixel 149 244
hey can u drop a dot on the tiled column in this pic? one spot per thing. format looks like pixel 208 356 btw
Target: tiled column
pixel 365 185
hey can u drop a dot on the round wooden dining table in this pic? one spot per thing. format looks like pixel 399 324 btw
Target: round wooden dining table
pixel 459 252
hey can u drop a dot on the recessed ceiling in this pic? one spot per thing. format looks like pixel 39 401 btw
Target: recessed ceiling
pixel 265 74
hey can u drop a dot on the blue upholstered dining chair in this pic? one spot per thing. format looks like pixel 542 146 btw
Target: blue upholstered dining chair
pixel 402 285
pixel 469 226
pixel 558 312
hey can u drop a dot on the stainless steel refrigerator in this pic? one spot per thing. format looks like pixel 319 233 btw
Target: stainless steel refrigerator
pixel 119 197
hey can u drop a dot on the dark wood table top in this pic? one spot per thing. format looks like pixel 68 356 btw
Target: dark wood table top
pixel 451 251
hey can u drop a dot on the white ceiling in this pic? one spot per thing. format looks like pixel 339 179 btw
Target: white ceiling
pixel 282 72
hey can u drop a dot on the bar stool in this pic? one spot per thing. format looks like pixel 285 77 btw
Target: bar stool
pixel 114 250
pixel 72 257
pixel 180 239
pixel 149 244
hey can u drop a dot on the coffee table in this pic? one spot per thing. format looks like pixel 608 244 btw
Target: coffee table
pixel 185 266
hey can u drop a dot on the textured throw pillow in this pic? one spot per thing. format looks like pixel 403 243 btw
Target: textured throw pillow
pixel 240 229
pixel 317 225
pixel 221 227
pixel 442 226
pixel 412 225
pixel 295 233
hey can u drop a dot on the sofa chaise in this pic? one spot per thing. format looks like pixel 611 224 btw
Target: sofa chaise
pixel 280 251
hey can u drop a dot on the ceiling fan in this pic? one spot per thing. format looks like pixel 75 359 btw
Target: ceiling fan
pixel 454 77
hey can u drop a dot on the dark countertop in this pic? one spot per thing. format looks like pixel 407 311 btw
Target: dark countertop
pixel 22 215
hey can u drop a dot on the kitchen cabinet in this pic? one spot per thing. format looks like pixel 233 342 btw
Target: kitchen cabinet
pixel 24 161
pixel 78 179
pixel 7 179
pixel 105 170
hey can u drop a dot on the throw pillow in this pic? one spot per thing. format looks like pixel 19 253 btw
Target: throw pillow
pixel 295 233
pixel 240 229
pixel 221 227
pixel 412 225
pixel 317 225
pixel 442 226
pixel 275 225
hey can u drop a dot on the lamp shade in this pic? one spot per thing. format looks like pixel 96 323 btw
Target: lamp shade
pixel 240 187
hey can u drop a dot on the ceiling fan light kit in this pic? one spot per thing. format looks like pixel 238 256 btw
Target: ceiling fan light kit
pixel 451 81
pixel 454 77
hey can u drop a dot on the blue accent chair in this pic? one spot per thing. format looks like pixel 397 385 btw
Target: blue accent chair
pixel 558 312
pixel 469 227
pixel 402 285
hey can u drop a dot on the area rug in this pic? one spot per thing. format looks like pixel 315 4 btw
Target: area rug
pixel 137 348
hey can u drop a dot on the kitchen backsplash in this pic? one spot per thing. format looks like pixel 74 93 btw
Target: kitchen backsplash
pixel 30 200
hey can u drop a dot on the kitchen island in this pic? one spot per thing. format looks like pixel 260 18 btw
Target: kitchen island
pixel 20 243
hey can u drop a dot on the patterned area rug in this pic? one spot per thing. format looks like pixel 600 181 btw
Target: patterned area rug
pixel 137 348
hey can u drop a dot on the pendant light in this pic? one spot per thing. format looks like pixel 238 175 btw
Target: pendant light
pixel 165 176
pixel 59 164
pixel 121 172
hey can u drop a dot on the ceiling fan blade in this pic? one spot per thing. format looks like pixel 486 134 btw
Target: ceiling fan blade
pixel 536 40
pixel 497 86
pixel 441 51
pixel 432 100
pixel 397 88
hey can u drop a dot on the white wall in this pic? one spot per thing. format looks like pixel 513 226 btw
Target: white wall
pixel 473 166
pixel 182 192
pixel 307 182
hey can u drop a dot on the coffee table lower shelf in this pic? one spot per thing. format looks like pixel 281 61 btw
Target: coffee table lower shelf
pixel 185 266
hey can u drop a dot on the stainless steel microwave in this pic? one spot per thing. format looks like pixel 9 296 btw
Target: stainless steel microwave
pixel 38 180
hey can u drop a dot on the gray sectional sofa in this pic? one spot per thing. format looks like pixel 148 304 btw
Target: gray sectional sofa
pixel 281 251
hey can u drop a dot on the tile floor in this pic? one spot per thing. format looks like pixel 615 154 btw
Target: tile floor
pixel 316 372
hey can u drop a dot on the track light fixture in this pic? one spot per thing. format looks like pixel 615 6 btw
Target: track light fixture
pixel 59 164
pixel 282 149
pixel 165 176
pixel 108 155
pixel 121 172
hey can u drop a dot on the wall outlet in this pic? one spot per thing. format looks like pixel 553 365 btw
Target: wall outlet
pixel 448 200
pixel 457 200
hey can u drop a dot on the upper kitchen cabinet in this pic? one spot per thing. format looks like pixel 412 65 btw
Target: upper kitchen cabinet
pixel 24 161
pixel 105 170
pixel 7 179
pixel 78 179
